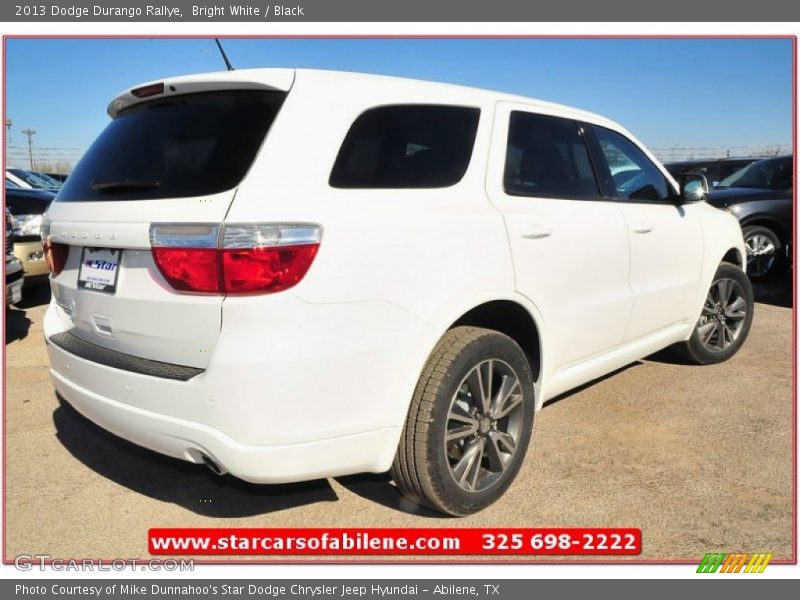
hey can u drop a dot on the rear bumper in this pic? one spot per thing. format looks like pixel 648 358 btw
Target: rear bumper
pixel 291 405
pixel 191 441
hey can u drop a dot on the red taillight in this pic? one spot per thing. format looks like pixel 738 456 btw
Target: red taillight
pixel 55 254
pixel 189 269
pixel 245 259
pixel 266 269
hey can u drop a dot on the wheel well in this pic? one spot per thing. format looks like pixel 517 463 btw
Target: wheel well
pixel 769 224
pixel 511 319
pixel 734 257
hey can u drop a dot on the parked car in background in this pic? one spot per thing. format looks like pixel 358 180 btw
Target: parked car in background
pixel 401 281
pixel 16 181
pixel 27 208
pixel 715 170
pixel 15 276
pixel 760 196
pixel 36 180
pixel 61 177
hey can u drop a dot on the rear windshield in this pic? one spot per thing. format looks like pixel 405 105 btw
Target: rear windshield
pixel 407 146
pixel 188 145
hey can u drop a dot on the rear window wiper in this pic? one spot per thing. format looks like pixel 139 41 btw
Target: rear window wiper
pixel 125 185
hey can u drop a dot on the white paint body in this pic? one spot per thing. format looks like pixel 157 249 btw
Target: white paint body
pixel 316 381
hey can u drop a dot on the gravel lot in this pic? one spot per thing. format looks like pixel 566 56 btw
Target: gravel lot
pixel 700 458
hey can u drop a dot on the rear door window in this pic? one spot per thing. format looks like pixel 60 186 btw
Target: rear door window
pixel 181 146
pixel 546 157
pixel 407 146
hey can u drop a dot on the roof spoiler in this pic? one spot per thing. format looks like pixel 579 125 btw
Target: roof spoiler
pixel 253 79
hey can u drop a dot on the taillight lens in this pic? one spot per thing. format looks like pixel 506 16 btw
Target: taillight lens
pixel 55 254
pixel 189 269
pixel 266 269
pixel 243 259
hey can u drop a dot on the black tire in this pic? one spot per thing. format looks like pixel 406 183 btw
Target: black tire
pixel 425 467
pixel 763 266
pixel 697 350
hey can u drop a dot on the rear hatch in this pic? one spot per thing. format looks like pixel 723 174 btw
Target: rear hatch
pixel 174 153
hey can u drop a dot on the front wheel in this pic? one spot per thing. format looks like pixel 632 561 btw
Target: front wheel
pixel 764 250
pixel 724 321
pixel 469 423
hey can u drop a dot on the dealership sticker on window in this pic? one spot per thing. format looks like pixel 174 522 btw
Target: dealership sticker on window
pixel 99 269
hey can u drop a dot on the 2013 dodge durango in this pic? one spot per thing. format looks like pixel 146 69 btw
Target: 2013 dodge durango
pixel 293 274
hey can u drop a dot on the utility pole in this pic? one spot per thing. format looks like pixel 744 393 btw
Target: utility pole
pixel 8 131
pixel 30 133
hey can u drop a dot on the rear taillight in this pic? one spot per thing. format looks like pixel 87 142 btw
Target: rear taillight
pixel 234 259
pixel 55 254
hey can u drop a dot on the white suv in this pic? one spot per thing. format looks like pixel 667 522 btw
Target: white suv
pixel 295 274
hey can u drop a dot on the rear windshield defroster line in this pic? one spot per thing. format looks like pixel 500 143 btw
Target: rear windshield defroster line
pixel 176 147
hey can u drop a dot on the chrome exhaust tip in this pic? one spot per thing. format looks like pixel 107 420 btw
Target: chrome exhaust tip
pixel 212 465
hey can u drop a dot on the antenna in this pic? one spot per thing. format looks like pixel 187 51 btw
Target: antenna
pixel 224 56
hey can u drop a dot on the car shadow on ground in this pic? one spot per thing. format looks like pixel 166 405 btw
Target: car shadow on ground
pixel 36 295
pixel 190 486
pixel 378 488
pixel 17 324
pixel 17 321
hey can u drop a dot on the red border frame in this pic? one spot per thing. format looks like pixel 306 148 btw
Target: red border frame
pixel 448 559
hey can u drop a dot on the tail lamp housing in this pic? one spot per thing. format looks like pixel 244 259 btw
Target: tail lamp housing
pixel 246 258
pixel 55 254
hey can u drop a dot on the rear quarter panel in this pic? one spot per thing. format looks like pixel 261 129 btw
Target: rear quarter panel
pixel 429 254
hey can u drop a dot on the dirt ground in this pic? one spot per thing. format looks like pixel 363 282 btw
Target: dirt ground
pixel 700 458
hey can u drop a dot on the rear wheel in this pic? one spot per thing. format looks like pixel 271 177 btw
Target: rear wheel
pixel 469 423
pixel 724 321
pixel 764 248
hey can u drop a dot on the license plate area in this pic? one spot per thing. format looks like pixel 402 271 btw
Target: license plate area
pixel 99 269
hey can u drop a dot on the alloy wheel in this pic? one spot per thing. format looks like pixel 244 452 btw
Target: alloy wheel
pixel 484 424
pixel 723 317
pixel 761 255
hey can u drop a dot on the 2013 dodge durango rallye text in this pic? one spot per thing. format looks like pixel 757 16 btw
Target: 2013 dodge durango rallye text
pixel 293 274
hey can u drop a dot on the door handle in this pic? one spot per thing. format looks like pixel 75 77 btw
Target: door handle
pixel 536 231
pixel 642 228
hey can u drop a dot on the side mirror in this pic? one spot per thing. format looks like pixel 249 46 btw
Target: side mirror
pixel 694 188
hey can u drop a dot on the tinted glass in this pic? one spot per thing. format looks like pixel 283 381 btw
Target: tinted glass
pixel 407 146
pixel 774 173
pixel 546 157
pixel 189 145
pixel 634 176
pixel 729 168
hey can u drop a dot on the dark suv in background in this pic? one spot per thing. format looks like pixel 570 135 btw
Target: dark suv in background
pixel 715 170
pixel 760 196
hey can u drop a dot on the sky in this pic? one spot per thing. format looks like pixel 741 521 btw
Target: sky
pixel 687 93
